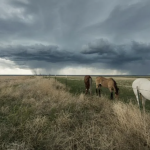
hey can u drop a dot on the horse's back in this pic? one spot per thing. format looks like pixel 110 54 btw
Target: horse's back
pixel 105 82
pixel 86 78
pixel 101 81
pixel 140 82
pixel 111 82
pixel 143 86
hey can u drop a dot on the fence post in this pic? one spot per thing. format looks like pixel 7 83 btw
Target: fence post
pixel 138 94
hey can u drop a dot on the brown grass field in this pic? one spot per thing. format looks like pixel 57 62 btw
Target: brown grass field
pixel 39 113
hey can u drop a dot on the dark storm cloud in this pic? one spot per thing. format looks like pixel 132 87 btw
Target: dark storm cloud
pixel 35 20
pixel 73 23
pixel 131 57
pixel 51 21
pixel 61 27
pixel 119 56
pixel 41 52
pixel 101 51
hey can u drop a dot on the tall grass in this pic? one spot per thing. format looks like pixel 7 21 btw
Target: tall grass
pixel 40 114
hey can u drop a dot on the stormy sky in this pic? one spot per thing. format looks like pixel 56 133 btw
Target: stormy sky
pixel 75 37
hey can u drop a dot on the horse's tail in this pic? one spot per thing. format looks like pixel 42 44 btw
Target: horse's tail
pixel 90 83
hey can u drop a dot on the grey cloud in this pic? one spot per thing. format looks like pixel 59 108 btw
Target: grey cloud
pixel 72 23
pixel 101 53
pixel 40 53
pixel 37 21
pixel 132 57
pixel 118 55
pixel 124 23
pixel 129 18
pixel 54 21
pixel 61 28
pixel 99 46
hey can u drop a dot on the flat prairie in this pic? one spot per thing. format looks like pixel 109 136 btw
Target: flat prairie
pixel 41 113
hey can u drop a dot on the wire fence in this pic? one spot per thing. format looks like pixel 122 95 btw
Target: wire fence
pixel 126 93
pixel 81 90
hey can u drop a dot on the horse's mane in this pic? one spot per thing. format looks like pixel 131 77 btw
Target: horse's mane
pixel 115 85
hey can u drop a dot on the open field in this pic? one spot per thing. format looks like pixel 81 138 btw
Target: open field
pixel 39 113
pixel 75 85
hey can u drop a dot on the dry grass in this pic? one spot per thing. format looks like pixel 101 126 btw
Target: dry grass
pixel 39 114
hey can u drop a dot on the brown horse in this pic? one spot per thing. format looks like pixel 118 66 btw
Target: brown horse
pixel 88 83
pixel 109 83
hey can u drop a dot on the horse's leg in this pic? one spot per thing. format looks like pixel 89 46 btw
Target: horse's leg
pixel 86 91
pixel 90 86
pixel 137 98
pixel 111 95
pixel 96 92
pixel 137 94
pixel 90 91
pixel 99 92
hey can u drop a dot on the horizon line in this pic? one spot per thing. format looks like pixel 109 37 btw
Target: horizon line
pixel 65 75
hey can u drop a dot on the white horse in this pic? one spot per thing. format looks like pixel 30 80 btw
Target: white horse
pixel 141 86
